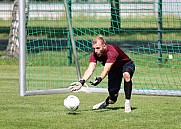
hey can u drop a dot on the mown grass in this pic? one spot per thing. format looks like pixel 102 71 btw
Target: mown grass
pixel 48 112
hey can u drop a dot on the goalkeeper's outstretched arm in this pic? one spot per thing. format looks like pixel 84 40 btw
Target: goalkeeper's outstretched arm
pixel 75 86
pixel 89 71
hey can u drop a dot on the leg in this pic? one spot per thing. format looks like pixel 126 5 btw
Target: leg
pixel 127 85
pixel 114 82
pixel 127 90
pixel 128 71
pixel 111 99
pixel 113 96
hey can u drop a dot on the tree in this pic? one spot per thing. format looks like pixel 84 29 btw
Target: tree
pixel 12 49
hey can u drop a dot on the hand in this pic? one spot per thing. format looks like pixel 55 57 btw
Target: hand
pixel 75 86
pixel 96 81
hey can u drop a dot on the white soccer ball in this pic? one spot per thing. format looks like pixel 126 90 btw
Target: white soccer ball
pixel 71 102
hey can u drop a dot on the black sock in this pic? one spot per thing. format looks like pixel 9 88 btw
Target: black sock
pixel 128 89
pixel 107 101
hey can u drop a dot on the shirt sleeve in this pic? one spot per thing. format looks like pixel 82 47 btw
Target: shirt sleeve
pixel 92 58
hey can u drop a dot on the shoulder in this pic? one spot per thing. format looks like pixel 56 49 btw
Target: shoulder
pixel 111 49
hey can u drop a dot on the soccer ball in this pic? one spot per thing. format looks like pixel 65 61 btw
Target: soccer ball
pixel 71 102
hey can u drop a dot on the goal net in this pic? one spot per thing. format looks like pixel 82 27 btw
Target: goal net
pixel 58 42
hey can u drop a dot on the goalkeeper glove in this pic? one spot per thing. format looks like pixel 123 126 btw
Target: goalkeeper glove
pixel 96 81
pixel 75 86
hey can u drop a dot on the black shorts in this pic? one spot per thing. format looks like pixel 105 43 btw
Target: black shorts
pixel 115 78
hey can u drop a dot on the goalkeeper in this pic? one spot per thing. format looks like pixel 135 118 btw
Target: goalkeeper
pixel 117 65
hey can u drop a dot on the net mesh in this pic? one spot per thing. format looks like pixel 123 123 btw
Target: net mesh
pixel 148 31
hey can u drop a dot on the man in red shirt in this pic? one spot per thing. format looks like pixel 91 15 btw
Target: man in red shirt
pixel 117 65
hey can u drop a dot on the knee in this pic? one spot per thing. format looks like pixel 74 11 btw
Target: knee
pixel 126 76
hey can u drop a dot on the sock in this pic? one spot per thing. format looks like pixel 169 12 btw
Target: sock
pixel 128 89
pixel 107 101
pixel 127 101
pixel 105 104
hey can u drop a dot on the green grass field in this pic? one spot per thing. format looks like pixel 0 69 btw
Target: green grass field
pixel 49 68
pixel 48 112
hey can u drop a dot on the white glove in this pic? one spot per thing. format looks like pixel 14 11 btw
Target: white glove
pixel 75 86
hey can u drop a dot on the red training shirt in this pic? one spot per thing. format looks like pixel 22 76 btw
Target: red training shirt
pixel 113 55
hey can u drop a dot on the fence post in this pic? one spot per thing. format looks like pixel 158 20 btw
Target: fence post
pixel 68 36
pixel 160 31
pixel 115 16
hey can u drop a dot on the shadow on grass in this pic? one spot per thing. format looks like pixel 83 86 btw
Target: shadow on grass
pixel 73 113
pixel 99 110
pixel 113 108
pixel 132 108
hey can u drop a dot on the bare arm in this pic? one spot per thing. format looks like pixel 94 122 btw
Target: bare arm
pixel 106 70
pixel 89 71
pixel 75 86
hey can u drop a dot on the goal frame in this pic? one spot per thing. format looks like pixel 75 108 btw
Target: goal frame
pixel 22 63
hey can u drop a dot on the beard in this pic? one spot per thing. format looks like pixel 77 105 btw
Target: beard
pixel 100 54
